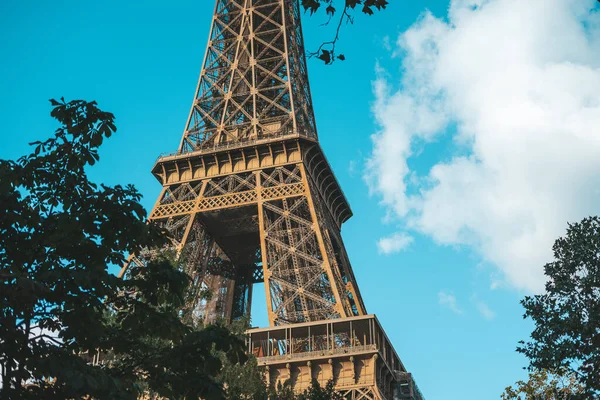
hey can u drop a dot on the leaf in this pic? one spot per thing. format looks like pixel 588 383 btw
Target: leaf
pixel 381 4
pixel 341 57
pixel 89 158
pixel 312 5
pixel 330 10
pixel 325 56
pixel 96 140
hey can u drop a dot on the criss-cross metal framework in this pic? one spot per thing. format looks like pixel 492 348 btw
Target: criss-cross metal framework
pixel 274 224
pixel 249 196
pixel 253 83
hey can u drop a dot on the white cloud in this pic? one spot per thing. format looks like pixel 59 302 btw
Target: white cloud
pixel 483 309
pixel 351 167
pixel 394 243
pixel 520 81
pixel 448 300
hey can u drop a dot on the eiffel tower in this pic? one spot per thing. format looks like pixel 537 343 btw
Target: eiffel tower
pixel 249 197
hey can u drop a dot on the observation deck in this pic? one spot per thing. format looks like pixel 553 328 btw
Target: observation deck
pixel 354 352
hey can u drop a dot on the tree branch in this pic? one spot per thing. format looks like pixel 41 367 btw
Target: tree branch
pixel 333 42
pixel 44 336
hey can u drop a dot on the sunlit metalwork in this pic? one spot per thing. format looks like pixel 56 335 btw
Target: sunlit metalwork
pixel 250 197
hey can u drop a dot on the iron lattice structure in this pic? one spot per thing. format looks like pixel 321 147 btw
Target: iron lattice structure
pixel 254 83
pixel 249 196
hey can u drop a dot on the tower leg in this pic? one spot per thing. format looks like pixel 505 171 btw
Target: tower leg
pixel 298 277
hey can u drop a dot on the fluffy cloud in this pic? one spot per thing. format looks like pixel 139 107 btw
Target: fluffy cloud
pixel 394 243
pixel 517 85
pixel 448 300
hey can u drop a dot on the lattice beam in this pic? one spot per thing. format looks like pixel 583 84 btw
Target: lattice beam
pixel 271 220
pixel 253 84
pixel 250 189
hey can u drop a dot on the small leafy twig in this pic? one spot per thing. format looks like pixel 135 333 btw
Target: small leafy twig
pixel 326 51
pixel 328 56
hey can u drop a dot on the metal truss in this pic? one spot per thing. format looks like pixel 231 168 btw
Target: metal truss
pixel 267 225
pixel 361 393
pixel 352 352
pixel 249 197
pixel 254 83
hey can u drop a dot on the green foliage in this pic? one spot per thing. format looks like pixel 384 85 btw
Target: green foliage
pixel 243 380
pixel 567 315
pixel 247 381
pixel 59 232
pixel 316 392
pixel 282 392
pixel 545 385
pixel 326 52
pixel 170 358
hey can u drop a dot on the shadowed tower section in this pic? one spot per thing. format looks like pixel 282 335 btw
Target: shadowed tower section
pixel 249 197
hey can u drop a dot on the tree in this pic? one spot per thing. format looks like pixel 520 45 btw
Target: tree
pixel 326 52
pixel 545 385
pixel 247 381
pixel 59 233
pixel 316 392
pixel 155 349
pixel 243 380
pixel 567 315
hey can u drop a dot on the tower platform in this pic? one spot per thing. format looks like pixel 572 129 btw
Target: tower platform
pixel 354 352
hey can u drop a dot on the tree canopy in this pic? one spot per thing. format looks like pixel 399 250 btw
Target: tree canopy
pixel 62 310
pixel 546 385
pixel 59 233
pixel 567 315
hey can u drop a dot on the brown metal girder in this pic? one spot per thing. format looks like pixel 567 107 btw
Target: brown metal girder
pixel 193 205
pixel 296 293
pixel 221 149
pixel 159 168
pixel 320 158
pixel 311 154
pixel 267 18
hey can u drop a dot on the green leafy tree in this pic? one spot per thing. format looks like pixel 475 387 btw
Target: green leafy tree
pixel 59 233
pixel 545 385
pixel 314 392
pixel 317 392
pixel 567 315
pixel 156 350
pixel 247 381
pixel 283 391
pixel 243 380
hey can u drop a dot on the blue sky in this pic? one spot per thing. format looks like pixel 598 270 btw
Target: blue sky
pixel 448 283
